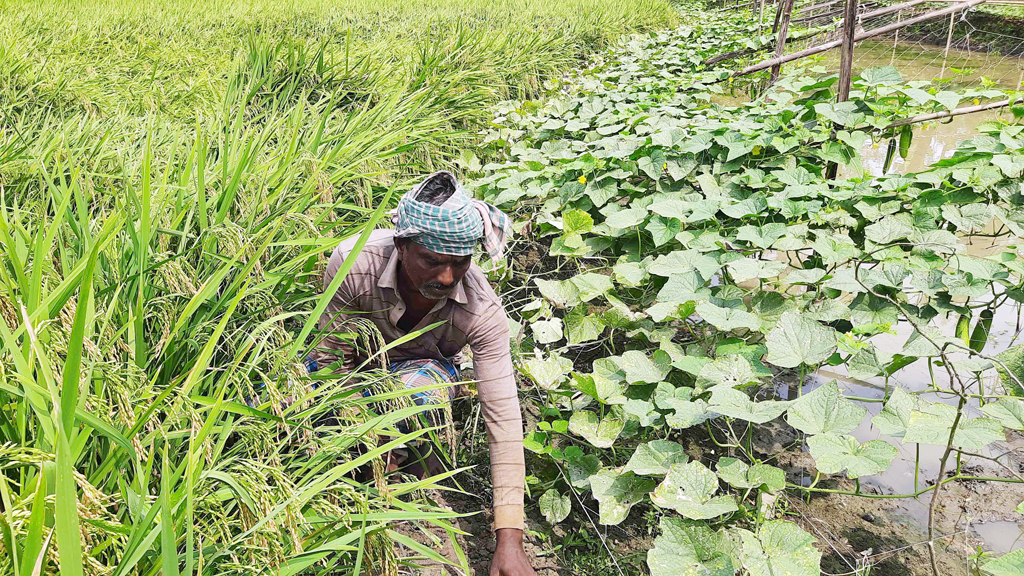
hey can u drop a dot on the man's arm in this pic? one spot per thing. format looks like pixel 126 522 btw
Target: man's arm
pixel 499 403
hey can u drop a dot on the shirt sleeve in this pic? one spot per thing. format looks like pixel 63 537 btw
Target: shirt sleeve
pixel 499 403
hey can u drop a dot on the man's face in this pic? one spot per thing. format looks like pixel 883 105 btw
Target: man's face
pixel 431 274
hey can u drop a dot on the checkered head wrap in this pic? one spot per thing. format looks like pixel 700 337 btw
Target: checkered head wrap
pixel 455 226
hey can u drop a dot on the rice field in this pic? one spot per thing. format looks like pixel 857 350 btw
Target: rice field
pixel 172 177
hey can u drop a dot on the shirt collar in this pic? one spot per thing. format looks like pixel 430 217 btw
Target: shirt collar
pixel 389 279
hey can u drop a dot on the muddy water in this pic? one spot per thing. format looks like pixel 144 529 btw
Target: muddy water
pixel 932 143
pixel 902 477
pixel 936 140
pixel 926 62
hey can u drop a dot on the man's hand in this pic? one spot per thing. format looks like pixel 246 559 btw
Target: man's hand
pixel 509 557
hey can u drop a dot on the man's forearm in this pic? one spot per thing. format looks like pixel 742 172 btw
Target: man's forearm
pixel 508 462
pixel 499 405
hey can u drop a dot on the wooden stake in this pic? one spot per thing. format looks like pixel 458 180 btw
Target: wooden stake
pixel 860 36
pixel 949 35
pixel 846 57
pixel 845 69
pixel 760 18
pixel 786 6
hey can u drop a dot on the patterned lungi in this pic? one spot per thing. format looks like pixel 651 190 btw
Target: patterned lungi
pixel 415 373
pixel 425 372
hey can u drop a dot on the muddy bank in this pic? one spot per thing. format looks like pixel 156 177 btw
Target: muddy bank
pixel 891 534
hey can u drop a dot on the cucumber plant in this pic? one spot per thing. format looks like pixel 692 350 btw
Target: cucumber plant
pixel 702 252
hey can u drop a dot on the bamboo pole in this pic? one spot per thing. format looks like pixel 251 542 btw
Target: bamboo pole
pixel 892 59
pixel 827 14
pixel 778 60
pixel 846 56
pixel 744 51
pixel 845 69
pixel 878 12
pixel 950 113
pixel 816 6
pixel 862 18
pixel 780 43
pixel 894 8
pixel 760 18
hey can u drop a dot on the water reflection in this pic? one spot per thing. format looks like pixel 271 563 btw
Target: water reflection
pixel 932 142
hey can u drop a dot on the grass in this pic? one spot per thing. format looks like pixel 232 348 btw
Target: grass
pixel 172 175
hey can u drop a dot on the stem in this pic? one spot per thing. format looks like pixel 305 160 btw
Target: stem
pixel 981 390
pixel 715 440
pixel 811 488
pixel 938 485
pixel 917 464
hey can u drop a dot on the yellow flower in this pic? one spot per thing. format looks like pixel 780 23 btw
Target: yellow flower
pixel 976 101
pixel 664 166
pixel 731 79
pixel 875 145
pixel 582 180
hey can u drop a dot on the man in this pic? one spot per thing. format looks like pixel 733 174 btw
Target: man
pixel 416 275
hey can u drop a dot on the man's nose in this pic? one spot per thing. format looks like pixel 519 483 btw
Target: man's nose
pixel 446 277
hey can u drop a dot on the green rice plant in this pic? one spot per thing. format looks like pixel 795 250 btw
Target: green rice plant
pixel 172 177
pixel 699 256
pixel 124 374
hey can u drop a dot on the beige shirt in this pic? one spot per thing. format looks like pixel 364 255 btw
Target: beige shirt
pixel 473 314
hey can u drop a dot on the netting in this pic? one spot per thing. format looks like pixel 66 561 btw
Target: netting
pixel 984 49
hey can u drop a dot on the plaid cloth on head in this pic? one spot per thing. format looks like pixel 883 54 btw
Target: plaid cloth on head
pixel 456 226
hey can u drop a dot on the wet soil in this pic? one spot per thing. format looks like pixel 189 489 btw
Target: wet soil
pixel 477 544
pixel 888 534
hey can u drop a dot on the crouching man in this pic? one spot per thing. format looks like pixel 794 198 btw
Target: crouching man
pixel 421 273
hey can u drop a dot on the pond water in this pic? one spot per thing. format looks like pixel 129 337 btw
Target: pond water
pixel 998 536
pixel 1007 326
pixel 933 142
